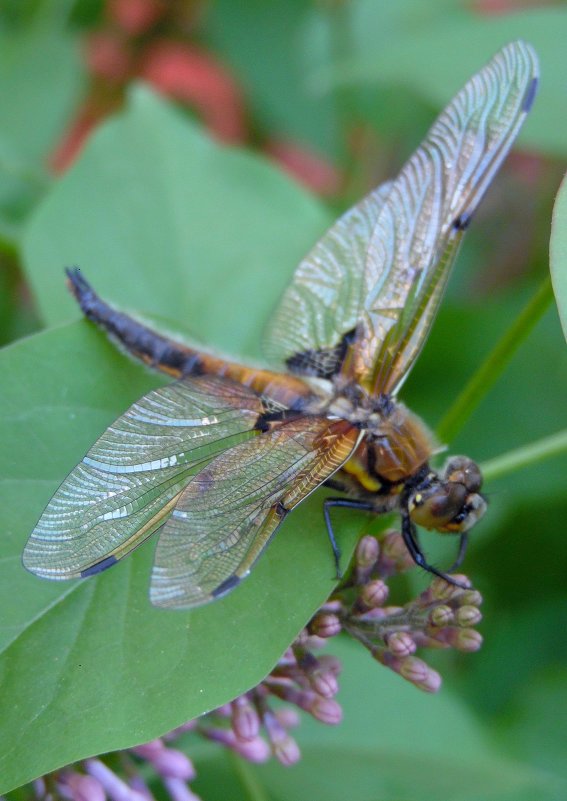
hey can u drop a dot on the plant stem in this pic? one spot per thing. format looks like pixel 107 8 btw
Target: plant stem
pixel 493 366
pixel 525 456
pixel 248 779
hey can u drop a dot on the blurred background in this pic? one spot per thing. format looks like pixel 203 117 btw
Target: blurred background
pixel 337 95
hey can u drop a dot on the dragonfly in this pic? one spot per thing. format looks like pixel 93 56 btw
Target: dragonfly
pixel 217 459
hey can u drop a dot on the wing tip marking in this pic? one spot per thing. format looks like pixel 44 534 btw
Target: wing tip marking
pixel 104 564
pixel 226 586
pixel 530 95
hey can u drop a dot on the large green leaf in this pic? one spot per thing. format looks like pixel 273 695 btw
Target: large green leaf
pixel 393 743
pixel 90 666
pixel 40 79
pixel 558 253
pixel 173 224
pixel 163 220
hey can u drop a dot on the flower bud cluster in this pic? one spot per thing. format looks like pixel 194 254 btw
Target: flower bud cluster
pixel 255 729
pixel 257 725
pixel 443 616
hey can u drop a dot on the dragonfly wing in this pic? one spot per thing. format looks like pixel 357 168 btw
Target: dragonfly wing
pixel 318 311
pixel 426 211
pixel 228 513
pixel 131 478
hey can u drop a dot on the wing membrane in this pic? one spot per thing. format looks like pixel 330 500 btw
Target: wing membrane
pixel 323 302
pixel 133 475
pixel 230 510
pixel 421 221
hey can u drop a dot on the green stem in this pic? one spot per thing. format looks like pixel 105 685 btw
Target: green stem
pixel 525 456
pixel 248 778
pixel 491 369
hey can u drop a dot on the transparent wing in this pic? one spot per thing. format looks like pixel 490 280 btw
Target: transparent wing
pixel 309 330
pixel 133 475
pixel 230 510
pixel 428 207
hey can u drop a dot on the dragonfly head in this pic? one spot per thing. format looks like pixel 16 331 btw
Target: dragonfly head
pixel 450 502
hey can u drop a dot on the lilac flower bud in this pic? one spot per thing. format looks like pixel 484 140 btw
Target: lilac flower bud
pixel 394 556
pixel 420 674
pixel 256 750
pixel 325 625
pixel 179 791
pixel 245 719
pixel 374 594
pixel 401 644
pixel 173 764
pixel 330 662
pixel 286 751
pixel 326 710
pixel 441 616
pixel 114 787
pixel 468 616
pixel 78 787
pixel 325 683
pixel 367 551
pixel 468 640
pixel 289 718
pixel 148 750
pixel 471 598
pixel 284 747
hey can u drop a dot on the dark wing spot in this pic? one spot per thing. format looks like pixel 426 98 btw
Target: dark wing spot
pixel 531 92
pixel 462 222
pixel 226 586
pixel 99 567
pixel 322 363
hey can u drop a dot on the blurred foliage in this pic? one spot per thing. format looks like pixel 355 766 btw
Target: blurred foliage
pixel 202 238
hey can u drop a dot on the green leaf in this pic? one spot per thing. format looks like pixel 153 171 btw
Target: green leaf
pixel 558 252
pixel 180 227
pixel 91 662
pixel 393 743
pixel 173 225
pixel 40 80
pixel 460 45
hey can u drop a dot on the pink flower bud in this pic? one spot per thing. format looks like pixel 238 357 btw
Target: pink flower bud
pixel 174 764
pixel 286 751
pixel 468 640
pixel 245 720
pixel 114 787
pixel 178 790
pixel 326 710
pixel 78 787
pixel 420 674
pixel 325 683
pixel 468 616
pixel 289 718
pixel 375 593
pixel 441 616
pixel 471 598
pixel 367 551
pixel 256 750
pixel 325 625
pixel 148 750
pixel 401 644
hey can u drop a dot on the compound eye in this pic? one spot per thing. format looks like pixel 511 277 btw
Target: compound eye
pixel 462 470
pixel 437 506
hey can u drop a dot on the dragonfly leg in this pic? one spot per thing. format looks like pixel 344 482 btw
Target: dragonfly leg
pixel 409 535
pixel 344 503
pixel 463 542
